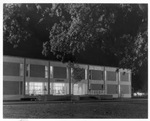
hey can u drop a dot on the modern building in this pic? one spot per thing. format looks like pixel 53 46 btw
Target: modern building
pixel 31 77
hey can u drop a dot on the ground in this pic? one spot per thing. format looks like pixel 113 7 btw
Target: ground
pixel 103 109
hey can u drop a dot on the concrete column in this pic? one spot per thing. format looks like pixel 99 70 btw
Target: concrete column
pixel 24 78
pixel 130 80
pixel 27 88
pixel 88 79
pixel 105 85
pixel 119 93
pixel 19 87
pixel 48 78
pixel 69 77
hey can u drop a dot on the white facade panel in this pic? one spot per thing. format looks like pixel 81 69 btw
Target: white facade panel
pixel 96 68
pixel 13 59
pixel 12 78
pixel 36 62
pixel 36 79
pixel 59 64
pixel 96 82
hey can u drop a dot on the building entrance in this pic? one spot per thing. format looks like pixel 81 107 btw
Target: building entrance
pixel 58 89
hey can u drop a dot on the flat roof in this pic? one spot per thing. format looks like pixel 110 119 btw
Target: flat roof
pixel 65 62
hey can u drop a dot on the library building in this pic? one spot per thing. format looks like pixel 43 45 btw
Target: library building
pixel 27 77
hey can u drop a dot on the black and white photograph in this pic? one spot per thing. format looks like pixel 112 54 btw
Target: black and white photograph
pixel 74 60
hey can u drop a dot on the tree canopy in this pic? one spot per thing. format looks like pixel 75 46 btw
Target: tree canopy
pixel 117 29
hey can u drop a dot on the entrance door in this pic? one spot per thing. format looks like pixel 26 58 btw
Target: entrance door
pixel 58 89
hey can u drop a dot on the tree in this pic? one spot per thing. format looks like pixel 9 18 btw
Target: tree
pixel 100 25
pixel 117 29
pixel 15 24
pixel 78 74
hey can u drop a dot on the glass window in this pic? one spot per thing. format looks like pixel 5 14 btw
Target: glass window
pixel 125 89
pixel 95 75
pixel 111 76
pixel 124 76
pixel 11 69
pixel 36 88
pixel 112 89
pixel 78 73
pixel 37 70
pixel 58 88
pixel 79 89
pixel 11 87
pixel 60 72
pixel 96 86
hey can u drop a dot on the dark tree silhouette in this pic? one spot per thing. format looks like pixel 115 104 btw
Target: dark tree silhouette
pixel 118 29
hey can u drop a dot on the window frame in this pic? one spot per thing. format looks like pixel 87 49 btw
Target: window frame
pixel 109 77
pixel 53 73
pixel 91 74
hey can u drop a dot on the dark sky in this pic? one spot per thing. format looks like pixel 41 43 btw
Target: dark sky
pixel 33 49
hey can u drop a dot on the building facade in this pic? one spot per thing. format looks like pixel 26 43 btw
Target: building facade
pixel 25 76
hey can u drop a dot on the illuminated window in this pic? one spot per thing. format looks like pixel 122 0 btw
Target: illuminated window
pixel 36 88
pixel 58 88
pixel 77 90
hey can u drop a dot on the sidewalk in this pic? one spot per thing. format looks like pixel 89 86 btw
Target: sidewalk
pixel 80 101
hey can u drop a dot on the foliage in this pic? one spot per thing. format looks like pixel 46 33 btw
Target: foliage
pixel 78 74
pixel 14 24
pixel 98 25
pixel 118 29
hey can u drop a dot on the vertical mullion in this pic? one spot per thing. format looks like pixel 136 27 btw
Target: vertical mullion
pixel 24 78
pixel 48 77
pixel 88 78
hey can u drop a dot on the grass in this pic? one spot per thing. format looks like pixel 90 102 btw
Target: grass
pixel 122 109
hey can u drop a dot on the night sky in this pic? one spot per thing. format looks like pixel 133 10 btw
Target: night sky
pixel 33 49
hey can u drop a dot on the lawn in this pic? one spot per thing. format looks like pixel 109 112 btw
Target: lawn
pixel 114 109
